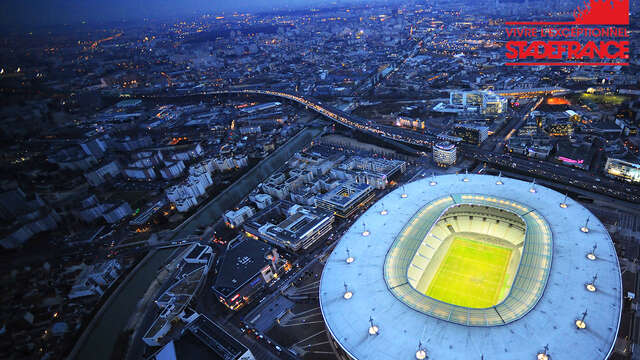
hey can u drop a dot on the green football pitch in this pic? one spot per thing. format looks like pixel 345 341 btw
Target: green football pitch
pixel 472 274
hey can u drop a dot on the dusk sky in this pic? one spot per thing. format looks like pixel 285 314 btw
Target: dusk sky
pixel 51 12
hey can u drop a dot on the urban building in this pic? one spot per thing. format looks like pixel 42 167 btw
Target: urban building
pixel 95 279
pixel 471 134
pixel 486 101
pixel 444 154
pixel 235 218
pixel 345 199
pixel 290 226
pixel 246 268
pixel 204 339
pixel 103 173
pixel 621 169
pixel 173 303
pixel 368 285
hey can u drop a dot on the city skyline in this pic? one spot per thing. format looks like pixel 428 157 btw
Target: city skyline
pixel 323 180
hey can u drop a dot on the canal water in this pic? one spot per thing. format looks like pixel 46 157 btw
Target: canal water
pixel 101 339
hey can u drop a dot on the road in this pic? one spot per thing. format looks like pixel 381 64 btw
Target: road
pixel 558 173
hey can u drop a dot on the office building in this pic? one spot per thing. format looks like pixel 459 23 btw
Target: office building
pixel 289 226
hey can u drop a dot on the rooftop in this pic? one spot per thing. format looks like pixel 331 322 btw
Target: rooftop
pixel 552 320
pixel 345 193
pixel 242 261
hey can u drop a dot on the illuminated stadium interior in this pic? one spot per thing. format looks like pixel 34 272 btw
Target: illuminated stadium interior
pixel 473 267
pixel 469 257
pixel 458 257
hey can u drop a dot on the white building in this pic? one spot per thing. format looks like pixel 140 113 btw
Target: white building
pixel 261 200
pixel 624 170
pixel 444 154
pixel 103 173
pixel 185 203
pixel 186 194
pixel 172 169
pixel 193 152
pixel 233 219
pixel 96 279
pixel 487 101
pixel 201 173
pixel 140 173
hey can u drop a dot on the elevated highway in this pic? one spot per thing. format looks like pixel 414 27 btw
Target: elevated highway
pixel 409 141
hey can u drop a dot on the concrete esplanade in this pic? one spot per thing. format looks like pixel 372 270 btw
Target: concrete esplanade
pixel 565 300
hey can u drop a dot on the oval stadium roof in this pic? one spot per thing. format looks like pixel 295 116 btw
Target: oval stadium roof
pixel 451 332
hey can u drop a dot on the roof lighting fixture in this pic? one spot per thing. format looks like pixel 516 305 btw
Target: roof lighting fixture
pixel 585 228
pixel 592 285
pixel 350 258
pixel 365 232
pixel 532 189
pixel 383 211
pixel 433 179
pixel 563 204
pixel 592 254
pixel 544 355
pixel 404 193
pixel 465 178
pixel 373 328
pixel 347 294
pixel 421 354
pixel 499 182
pixel 580 323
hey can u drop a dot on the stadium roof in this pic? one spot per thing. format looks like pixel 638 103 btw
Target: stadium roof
pixel 551 321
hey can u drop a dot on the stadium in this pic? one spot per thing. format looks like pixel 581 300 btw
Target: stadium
pixel 473 267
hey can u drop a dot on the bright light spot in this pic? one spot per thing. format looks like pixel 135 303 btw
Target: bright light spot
pixel 348 295
pixel 581 324
pixel 373 330
pixel 591 287
pixel 350 260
